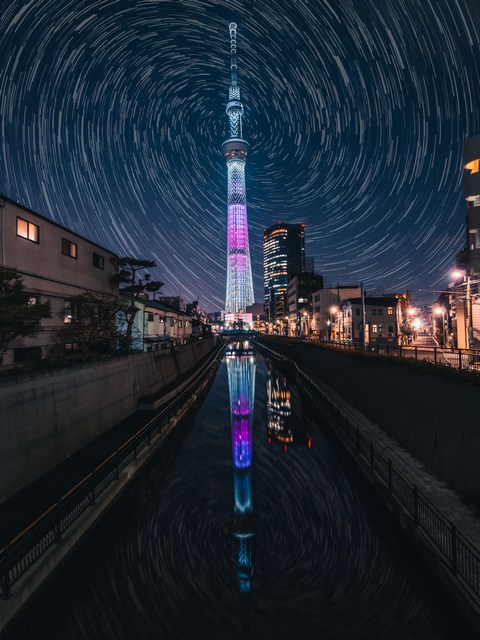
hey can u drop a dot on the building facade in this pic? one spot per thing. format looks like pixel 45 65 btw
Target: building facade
pixel 465 298
pixel 56 265
pixel 299 293
pixel 283 258
pixel 157 326
pixel 326 305
pixel 382 322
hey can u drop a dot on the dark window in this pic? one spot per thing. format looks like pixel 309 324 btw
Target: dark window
pixel 380 312
pixel 98 261
pixel 150 317
pixel 27 354
pixel 357 311
pixel 69 248
pixel 28 230
pixel 374 312
pixel 390 328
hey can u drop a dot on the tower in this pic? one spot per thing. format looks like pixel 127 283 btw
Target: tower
pixel 235 149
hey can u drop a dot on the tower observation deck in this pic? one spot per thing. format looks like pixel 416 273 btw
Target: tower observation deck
pixel 235 149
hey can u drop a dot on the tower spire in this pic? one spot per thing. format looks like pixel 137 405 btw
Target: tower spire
pixel 235 149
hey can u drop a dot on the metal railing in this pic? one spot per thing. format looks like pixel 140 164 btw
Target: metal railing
pixel 30 544
pixel 456 552
pixel 463 359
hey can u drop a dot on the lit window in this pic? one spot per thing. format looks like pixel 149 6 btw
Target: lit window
pixel 27 230
pixel 473 166
pixel 98 261
pixel 374 328
pixel 390 311
pixel 69 248
pixel 70 312
pixel 32 301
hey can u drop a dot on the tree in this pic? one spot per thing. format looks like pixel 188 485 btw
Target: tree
pixel 132 273
pixel 91 325
pixel 20 311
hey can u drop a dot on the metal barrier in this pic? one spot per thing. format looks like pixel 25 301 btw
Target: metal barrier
pixel 30 544
pixel 456 552
pixel 466 359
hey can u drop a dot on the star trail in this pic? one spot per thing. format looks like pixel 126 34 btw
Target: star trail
pixel 112 116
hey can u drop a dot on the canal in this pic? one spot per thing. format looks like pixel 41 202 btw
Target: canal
pixel 256 529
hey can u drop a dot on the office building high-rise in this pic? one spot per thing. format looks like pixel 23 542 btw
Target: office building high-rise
pixel 283 258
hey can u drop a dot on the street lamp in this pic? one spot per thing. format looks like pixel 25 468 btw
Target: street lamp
pixel 331 312
pixel 468 304
pixel 440 311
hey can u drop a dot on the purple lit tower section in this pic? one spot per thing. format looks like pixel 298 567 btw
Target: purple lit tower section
pixel 241 383
pixel 235 149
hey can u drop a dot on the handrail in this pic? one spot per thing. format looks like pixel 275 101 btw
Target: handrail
pixel 20 553
pixel 461 359
pixel 458 554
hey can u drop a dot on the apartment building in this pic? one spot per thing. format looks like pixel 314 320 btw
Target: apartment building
pixel 56 264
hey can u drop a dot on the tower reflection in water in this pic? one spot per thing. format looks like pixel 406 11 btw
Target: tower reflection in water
pixel 241 383
pixel 286 424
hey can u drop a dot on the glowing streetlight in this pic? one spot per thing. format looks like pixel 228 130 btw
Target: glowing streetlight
pixel 457 274
pixel 440 311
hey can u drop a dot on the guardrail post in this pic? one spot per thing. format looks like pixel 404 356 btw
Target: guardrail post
pixel 434 355
pixel 371 454
pixel 92 493
pixel 390 485
pixel 388 349
pixel 415 504
pixel 5 576
pixel 58 524
pixel 459 359
pixel 400 351
pixel 416 353
pixel 453 537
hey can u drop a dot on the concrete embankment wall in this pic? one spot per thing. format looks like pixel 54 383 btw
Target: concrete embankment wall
pixel 436 419
pixel 46 417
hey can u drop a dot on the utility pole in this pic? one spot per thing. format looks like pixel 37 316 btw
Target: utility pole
pixel 363 316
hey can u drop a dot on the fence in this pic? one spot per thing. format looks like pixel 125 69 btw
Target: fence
pixel 467 359
pixel 29 545
pixel 456 552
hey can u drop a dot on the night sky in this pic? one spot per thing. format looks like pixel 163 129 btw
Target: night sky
pixel 112 114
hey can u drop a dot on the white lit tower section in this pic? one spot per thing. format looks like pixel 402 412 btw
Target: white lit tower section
pixel 235 149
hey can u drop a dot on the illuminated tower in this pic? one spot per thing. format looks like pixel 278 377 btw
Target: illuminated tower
pixel 235 149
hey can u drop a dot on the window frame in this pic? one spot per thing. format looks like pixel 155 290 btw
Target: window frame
pixel 70 245
pixel 29 224
pixel 100 259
